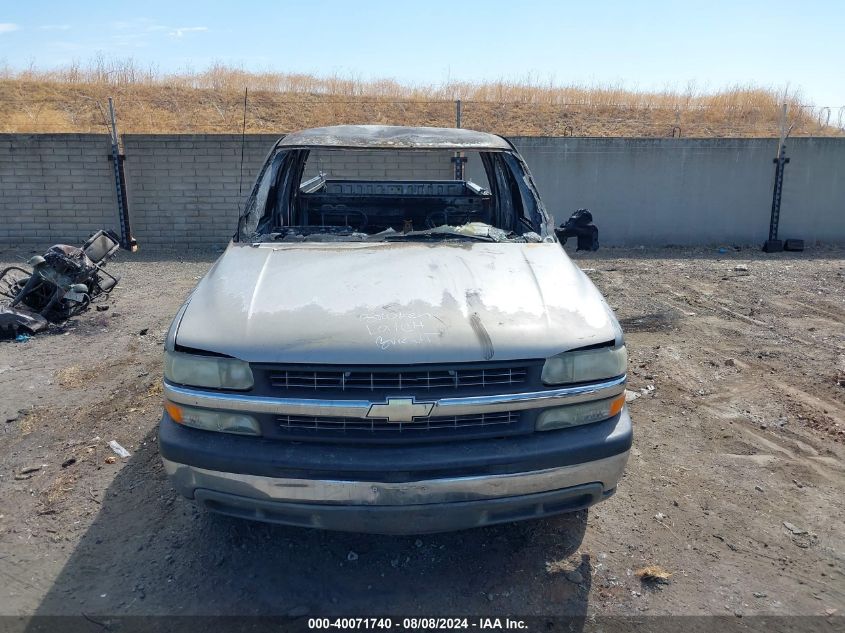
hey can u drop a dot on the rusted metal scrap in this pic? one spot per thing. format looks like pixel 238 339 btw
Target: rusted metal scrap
pixel 60 284
pixel 13 321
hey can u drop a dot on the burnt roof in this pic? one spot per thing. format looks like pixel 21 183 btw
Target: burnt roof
pixel 394 137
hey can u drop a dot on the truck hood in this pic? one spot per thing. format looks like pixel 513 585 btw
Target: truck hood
pixel 394 303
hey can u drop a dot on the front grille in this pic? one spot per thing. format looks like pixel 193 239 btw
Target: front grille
pixel 379 383
pixel 409 380
pixel 477 421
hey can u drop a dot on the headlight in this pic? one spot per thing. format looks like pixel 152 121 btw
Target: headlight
pixel 581 413
pixel 207 371
pixel 585 365
pixel 207 420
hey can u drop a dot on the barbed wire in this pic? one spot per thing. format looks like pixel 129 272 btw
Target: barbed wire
pixel 325 99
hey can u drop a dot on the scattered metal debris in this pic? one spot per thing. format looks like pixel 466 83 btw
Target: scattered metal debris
pixel 793 528
pixel 12 321
pixel 27 473
pixel 118 449
pixel 630 395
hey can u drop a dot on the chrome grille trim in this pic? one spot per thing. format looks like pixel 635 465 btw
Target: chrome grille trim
pixel 476 421
pixel 228 401
pixel 395 380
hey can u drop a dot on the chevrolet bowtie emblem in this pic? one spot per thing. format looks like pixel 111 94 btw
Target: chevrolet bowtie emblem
pixel 400 410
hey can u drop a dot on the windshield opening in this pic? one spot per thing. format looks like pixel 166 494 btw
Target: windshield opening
pixel 329 194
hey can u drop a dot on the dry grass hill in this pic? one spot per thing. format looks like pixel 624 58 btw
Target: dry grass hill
pixel 73 99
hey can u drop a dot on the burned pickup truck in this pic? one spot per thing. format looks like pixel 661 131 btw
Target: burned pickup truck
pixel 394 342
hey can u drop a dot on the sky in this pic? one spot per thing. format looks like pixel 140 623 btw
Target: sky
pixel 640 45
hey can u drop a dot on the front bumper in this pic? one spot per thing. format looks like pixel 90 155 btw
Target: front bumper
pixel 401 489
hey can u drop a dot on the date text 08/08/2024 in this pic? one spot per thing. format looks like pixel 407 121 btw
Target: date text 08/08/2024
pixel 417 623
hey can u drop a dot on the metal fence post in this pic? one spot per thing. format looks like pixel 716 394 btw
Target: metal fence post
pixel 459 159
pixel 126 239
pixel 773 244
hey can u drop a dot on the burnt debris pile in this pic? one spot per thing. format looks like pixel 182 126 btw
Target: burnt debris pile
pixel 57 285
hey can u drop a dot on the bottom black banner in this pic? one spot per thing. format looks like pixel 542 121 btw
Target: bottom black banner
pixel 90 623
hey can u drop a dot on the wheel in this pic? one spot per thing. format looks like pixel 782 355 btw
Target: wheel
pixel 12 279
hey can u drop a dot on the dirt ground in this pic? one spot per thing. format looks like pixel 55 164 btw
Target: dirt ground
pixel 735 483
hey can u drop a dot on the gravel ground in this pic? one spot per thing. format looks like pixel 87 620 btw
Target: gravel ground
pixel 735 484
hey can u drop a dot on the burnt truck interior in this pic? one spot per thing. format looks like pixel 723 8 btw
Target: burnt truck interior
pixel 352 194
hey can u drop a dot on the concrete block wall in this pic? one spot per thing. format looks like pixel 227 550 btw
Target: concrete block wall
pixel 813 205
pixel 55 188
pixel 183 189
pixel 691 191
